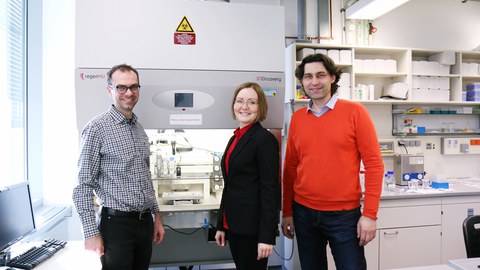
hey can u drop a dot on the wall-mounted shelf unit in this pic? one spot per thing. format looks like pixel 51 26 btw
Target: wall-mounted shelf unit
pixel 435 119
pixel 429 80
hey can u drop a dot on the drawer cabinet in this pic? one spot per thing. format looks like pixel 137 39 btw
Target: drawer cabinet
pixel 454 212
pixel 407 247
pixel 409 233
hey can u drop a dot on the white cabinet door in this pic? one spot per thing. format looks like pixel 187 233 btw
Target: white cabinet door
pixel 371 253
pixel 453 245
pixel 407 247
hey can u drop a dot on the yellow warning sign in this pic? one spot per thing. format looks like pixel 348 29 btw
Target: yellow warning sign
pixel 185 26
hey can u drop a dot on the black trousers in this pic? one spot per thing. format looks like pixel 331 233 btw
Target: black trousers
pixel 244 252
pixel 128 242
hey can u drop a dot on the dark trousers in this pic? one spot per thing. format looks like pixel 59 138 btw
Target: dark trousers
pixel 244 252
pixel 314 229
pixel 128 242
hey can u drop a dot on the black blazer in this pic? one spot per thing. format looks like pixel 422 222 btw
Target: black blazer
pixel 251 194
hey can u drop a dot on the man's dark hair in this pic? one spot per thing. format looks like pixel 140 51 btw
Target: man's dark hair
pixel 327 62
pixel 123 68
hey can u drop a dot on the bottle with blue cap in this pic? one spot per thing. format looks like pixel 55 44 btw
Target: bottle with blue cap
pixel 390 181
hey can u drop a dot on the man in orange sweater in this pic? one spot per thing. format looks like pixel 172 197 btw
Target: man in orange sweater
pixel 327 140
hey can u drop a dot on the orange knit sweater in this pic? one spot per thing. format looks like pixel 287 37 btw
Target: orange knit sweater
pixel 322 160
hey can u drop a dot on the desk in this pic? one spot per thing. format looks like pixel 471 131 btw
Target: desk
pixel 465 264
pixel 72 257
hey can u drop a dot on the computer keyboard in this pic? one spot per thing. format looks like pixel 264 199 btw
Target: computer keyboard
pixel 37 254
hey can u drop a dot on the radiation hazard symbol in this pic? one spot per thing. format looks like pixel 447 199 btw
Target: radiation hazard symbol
pixel 185 26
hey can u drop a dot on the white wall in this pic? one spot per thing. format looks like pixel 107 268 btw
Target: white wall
pixel 430 24
pixel 228 36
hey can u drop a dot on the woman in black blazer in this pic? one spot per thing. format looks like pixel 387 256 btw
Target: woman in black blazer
pixel 251 196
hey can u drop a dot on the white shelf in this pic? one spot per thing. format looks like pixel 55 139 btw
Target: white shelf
pixel 407 102
pixel 404 57
pixel 379 75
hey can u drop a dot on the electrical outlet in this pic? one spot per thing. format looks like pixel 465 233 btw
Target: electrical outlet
pixel 430 146
pixel 409 143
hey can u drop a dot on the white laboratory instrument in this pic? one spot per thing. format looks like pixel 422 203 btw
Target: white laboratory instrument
pixel 186 92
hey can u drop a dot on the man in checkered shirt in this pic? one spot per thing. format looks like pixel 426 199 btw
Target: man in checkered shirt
pixel 114 166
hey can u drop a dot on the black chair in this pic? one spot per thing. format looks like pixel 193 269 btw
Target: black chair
pixel 471 235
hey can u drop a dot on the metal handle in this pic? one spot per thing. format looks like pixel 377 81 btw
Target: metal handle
pixel 391 234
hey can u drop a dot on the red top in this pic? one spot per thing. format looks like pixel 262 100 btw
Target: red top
pixel 239 132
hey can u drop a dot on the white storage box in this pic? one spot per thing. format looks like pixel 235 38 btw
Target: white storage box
pixel 390 66
pixel 396 90
pixel 444 83
pixel 380 66
pixel 416 82
pixel 416 67
pixel 368 65
pixel 304 52
pixel 440 95
pixel 433 83
pixel 423 82
pixel 465 69
pixel 359 65
pixel 422 67
pixel 335 55
pixel 345 56
pixel 444 58
pixel 430 95
pixel 322 51
pixel 473 69
pixel 345 80
pixel 444 69
pixel 433 68
pixel 344 92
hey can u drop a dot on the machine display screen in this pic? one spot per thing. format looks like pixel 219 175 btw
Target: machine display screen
pixel 183 100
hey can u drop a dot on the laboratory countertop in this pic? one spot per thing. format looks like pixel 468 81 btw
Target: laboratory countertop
pixel 456 188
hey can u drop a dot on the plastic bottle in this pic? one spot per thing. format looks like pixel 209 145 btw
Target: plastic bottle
pixel 172 167
pixel 298 92
pixel 165 167
pixel 385 181
pixel 390 181
pixel 159 163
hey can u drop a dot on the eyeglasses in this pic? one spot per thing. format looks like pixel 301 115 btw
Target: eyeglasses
pixel 241 102
pixel 122 89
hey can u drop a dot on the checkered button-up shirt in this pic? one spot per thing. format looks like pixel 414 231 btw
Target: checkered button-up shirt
pixel 114 164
